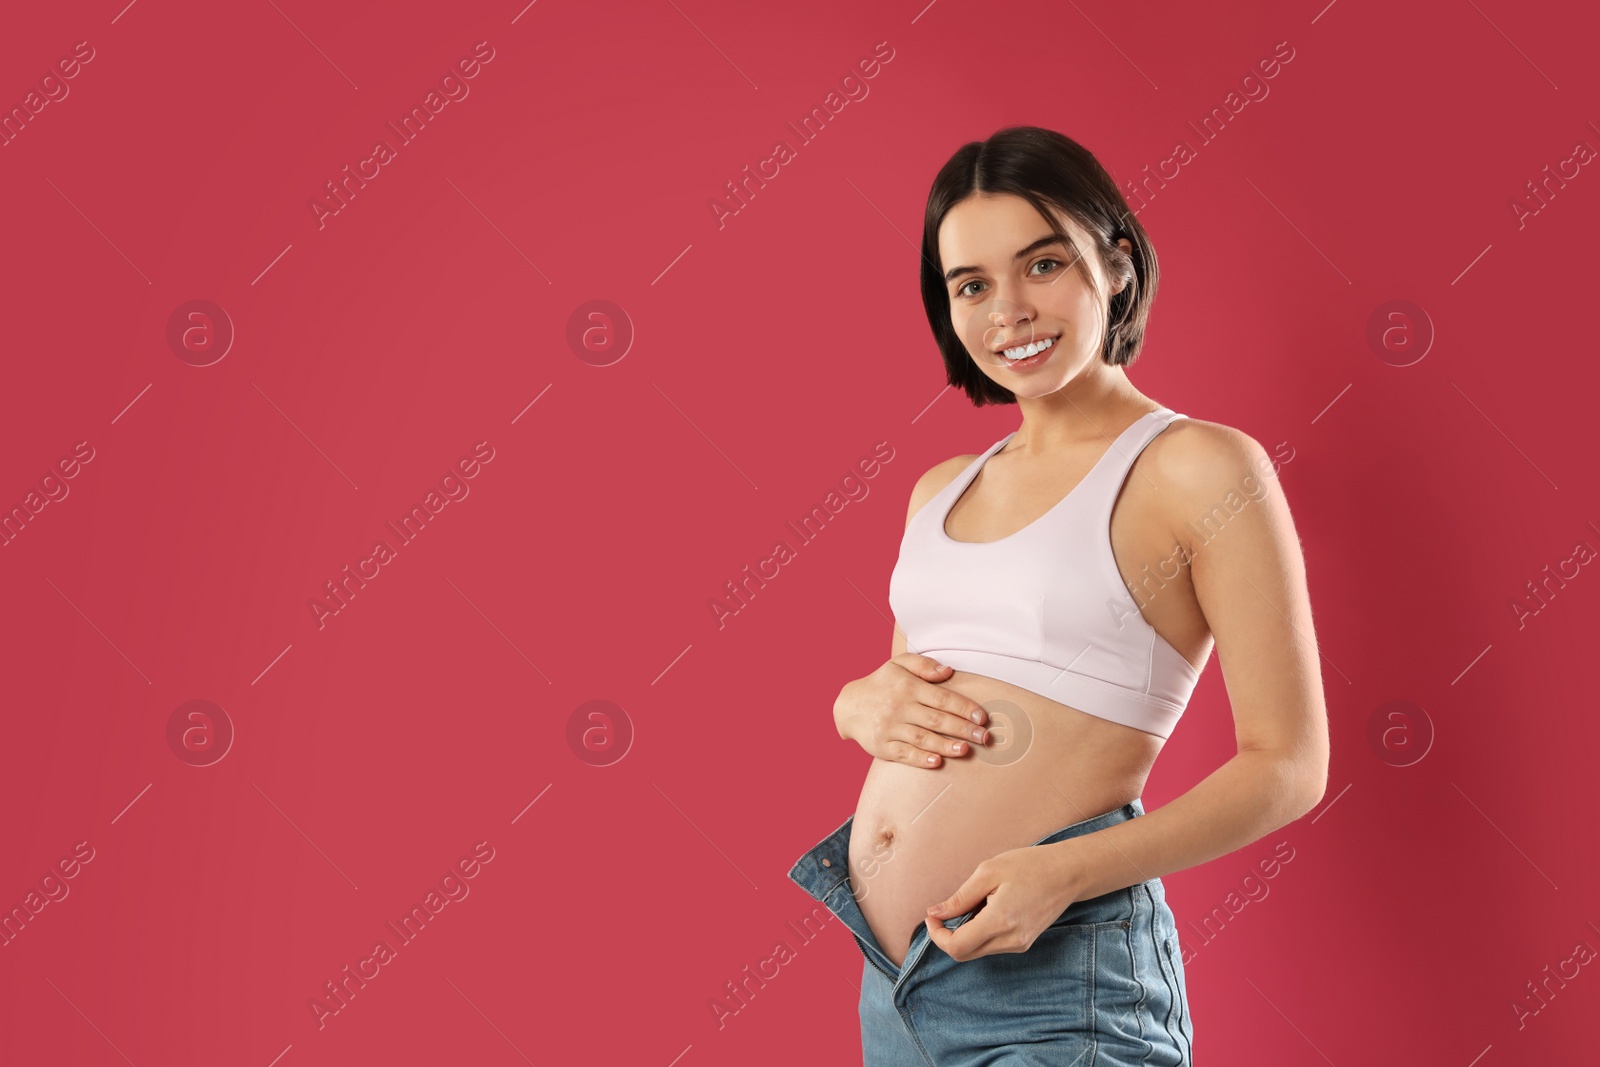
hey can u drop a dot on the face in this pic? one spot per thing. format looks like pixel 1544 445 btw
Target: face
pixel 1012 282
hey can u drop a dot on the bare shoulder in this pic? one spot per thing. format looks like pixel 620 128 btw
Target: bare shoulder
pixel 1204 454
pixel 1202 465
pixel 935 479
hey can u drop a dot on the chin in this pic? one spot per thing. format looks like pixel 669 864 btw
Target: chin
pixel 1033 389
pixel 1038 384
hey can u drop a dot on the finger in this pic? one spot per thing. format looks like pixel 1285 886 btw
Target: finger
pixel 949 724
pixel 909 754
pixel 929 741
pixel 924 666
pixel 948 700
pixel 973 938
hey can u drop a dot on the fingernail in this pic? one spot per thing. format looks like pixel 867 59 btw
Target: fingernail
pixel 977 716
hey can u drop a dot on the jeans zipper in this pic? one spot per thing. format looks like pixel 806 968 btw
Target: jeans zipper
pixel 867 953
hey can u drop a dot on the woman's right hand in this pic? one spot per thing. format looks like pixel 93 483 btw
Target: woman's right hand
pixel 898 713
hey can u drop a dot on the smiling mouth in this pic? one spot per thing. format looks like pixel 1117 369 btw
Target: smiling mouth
pixel 1028 353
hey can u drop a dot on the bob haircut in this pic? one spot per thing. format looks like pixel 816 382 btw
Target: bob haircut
pixel 1044 168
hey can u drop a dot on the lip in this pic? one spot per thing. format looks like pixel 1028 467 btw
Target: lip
pixel 1023 366
pixel 999 350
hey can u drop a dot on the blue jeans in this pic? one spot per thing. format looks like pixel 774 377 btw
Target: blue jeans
pixel 1102 986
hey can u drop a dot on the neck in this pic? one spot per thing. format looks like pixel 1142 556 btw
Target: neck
pixel 1090 408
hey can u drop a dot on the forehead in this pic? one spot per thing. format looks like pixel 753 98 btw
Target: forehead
pixel 988 229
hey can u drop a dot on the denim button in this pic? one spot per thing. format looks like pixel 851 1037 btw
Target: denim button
pixel 827 862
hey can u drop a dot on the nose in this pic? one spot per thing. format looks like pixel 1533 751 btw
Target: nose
pixel 1001 320
pixel 1006 316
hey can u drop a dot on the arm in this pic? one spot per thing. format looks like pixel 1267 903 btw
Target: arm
pixel 1251 585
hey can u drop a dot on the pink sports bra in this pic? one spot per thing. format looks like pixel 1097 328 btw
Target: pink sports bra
pixel 1045 608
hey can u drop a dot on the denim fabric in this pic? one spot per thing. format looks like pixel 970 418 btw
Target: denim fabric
pixel 1102 986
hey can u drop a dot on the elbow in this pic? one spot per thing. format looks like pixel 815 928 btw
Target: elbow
pixel 1311 781
pixel 1306 770
pixel 1312 796
pixel 1295 777
pixel 1299 780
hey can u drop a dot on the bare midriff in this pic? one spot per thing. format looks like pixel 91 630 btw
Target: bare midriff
pixel 919 832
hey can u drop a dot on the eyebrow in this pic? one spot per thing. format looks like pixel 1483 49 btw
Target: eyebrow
pixel 1048 239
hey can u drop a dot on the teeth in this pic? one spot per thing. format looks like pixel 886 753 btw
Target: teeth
pixel 1025 351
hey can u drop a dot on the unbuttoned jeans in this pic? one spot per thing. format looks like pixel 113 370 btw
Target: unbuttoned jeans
pixel 1101 986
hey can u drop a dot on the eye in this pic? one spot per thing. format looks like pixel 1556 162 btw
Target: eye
pixel 962 290
pixel 1057 262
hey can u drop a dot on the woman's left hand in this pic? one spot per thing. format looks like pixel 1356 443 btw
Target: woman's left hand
pixel 1022 891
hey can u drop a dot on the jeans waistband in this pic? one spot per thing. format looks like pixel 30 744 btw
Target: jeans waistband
pixel 1131 810
pixel 826 865
pixel 824 873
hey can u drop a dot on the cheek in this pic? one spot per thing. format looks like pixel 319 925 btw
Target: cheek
pixel 968 326
pixel 1086 309
pixel 1071 297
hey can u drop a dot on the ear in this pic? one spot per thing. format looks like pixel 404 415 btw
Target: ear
pixel 1127 247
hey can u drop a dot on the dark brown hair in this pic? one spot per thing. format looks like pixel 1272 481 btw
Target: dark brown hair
pixel 1044 168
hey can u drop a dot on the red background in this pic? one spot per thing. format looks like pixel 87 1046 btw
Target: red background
pixel 771 354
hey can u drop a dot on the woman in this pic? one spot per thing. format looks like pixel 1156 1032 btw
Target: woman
pixel 1056 598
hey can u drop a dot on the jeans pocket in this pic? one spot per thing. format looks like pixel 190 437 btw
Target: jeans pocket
pixel 1136 1014
pixel 1110 908
pixel 1120 975
pixel 1171 1014
pixel 1180 997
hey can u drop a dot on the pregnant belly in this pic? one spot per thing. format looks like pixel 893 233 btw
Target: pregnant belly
pixel 919 833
